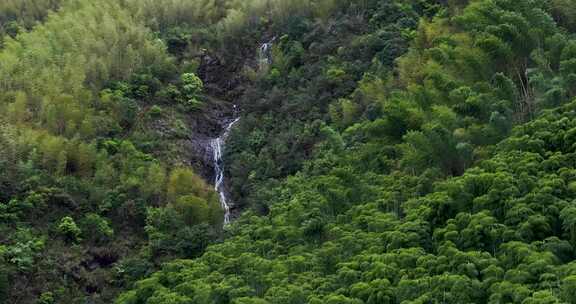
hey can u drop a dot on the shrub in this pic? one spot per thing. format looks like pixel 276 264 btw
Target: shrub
pixel 68 229
pixel 192 86
pixel 155 112
pixel 46 298
pixel 96 228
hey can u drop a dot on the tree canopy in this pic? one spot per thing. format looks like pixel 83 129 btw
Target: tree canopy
pixel 387 151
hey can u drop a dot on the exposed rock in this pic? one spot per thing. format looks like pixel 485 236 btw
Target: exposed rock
pixel 223 86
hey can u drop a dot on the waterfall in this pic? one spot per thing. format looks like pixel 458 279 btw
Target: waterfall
pixel 265 54
pixel 217 147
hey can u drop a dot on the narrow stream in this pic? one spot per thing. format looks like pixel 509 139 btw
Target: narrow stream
pixel 219 185
pixel 265 54
pixel 217 144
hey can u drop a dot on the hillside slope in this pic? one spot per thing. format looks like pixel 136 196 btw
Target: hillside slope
pixel 437 177
pixel 387 151
pixel 96 189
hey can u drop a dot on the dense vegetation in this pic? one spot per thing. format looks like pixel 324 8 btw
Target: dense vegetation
pixel 391 151
pixel 400 153
pixel 94 192
pixel 17 15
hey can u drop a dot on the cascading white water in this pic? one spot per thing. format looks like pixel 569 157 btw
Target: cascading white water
pixel 265 54
pixel 264 60
pixel 217 146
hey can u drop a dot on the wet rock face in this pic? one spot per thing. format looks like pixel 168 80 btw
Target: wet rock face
pixel 218 145
pixel 221 80
pixel 209 69
pixel 206 148
pixel 205 145
pixel 204 128
pixel 201 153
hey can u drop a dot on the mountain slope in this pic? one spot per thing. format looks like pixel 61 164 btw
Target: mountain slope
pixel 443 179
pixel 390 151
pixel 91 195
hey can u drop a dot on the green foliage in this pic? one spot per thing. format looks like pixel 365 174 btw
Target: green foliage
pixel 182 181
pixel 17 16
pixel 83 150
pixel 178 230
pixel 166 15
pixel 393 151
pixel 155 112
pixel 192 85
pixel 483 237
pixel 46 298
pixel 68 229
pixel 193 210
pixel 25 248
pixel 95 228
pixel 564 12
pixel 442 176
pixel 191 88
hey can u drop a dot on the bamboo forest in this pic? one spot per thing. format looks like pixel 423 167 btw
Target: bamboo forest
pixel 287 151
